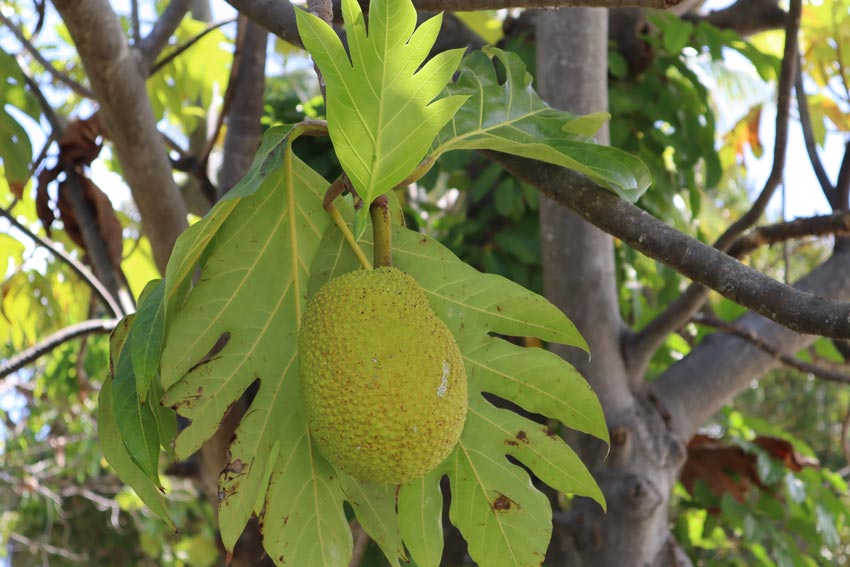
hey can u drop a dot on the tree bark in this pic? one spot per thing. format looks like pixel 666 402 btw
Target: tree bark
pixel 580 278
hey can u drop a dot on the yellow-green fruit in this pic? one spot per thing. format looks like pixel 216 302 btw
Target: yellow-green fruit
pixel 383 379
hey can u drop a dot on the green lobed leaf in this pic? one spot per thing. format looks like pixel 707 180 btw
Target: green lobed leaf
pixel 137 423
pixel 503 518
pixel 382 115
pixel 493 502
pixel 254 267
pixel 420 515
pixel 115 453
pixel 374 507
pixel 195 240
pixel 115 449
pixel 147 337
pixel 508 116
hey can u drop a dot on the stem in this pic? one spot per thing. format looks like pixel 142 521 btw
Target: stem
pixel 382 234
pixel 335 190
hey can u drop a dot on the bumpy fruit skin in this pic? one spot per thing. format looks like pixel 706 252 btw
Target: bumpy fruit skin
pixel 383 379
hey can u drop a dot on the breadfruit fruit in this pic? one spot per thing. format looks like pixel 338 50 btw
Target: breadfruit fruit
pixel 383 379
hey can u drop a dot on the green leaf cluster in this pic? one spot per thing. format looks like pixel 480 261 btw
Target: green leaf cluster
pixel 794 519
pixel 262 252
pixel 220 331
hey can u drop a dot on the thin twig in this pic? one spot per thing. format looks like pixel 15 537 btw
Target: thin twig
pixel 87 276
pixel 845 435
pixel 787 360
pixel 152 45
pixel 48 548
pixel 180 49
pixel 642 345
pixel 836 223
pixel 90 327
pixel 232 80
pixel 809 137
pixel 34 52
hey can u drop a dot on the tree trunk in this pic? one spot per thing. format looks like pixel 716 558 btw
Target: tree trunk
pixel 638 475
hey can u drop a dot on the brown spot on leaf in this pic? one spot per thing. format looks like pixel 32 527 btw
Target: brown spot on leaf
pixel 502 503
pixel 548 432
pixel 522 436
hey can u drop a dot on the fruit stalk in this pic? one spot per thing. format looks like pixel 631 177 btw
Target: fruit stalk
pixel 379 211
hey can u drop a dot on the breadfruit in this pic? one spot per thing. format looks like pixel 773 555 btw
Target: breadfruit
pixel 383 379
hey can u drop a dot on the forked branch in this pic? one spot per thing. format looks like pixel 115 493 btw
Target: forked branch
pixel 642 345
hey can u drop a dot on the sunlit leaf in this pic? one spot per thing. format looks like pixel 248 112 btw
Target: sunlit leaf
pixel 382 115
pixel 254 252
pixel 508 116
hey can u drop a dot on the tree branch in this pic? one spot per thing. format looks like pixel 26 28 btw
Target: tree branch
pixel 809 138
pixel 641 346
pixel 787 360
pixel 721 366
pixel 842 184
pixel 36 54
pixel 97 286
pixel 94 326
pixel 117 74
pixel 244 130
pixel 836 223
pixel 797 310
pixel 747 17
pixel 152 45
pixel 278 16
pixel 184 46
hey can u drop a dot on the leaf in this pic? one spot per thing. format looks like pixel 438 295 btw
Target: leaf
pixel 146 344
pixel 303 521
pixel 15 152
pixel 508 116
pixel 420 513
pixel 137 423
pixel 503 518
pixel 195 240
pixel 117 456
pixel 15 145
pixel 374 506
pixel 382 115
pixel 238 326
pixel 493 502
